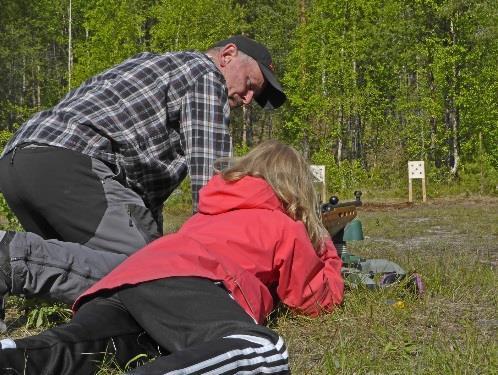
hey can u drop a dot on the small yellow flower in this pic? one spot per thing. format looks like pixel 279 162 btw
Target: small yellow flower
pixel 399 304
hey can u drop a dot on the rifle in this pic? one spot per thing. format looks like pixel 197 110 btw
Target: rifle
pixel 357 270
pixel 336 215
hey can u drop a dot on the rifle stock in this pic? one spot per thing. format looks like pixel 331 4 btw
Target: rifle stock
pixel 336 219
pixel 335 215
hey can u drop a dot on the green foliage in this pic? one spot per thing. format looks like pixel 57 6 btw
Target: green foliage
pixel 241 150
pixel 46 315
pixel 379 83
pixel 5 135
pixel 114 32
pixel 11 221
pixel 6 214
pixel 356 78
pixel 181 198
pixel 190 24
pixel 40 314
pixel 344 178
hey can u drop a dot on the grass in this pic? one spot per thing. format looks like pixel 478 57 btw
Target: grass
pixel 453 244
pixel 451 330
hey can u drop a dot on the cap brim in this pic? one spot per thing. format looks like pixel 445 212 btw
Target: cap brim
pixel 273 95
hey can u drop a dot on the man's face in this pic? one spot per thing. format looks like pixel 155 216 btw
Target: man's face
pixel 242 75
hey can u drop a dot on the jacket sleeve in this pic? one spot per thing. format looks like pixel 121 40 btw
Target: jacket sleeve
pixel 309 283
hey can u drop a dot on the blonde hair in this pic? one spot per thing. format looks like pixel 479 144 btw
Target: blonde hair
pixel 289 175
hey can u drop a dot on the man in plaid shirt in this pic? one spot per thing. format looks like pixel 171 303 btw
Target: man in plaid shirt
pixel 87 178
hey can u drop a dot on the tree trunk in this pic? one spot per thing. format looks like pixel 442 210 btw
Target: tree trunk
pixel 305 146
pixel 270 126
pixel 247 131
pixel 455 157
pixel 339 151
pixel 33 86
pixel 433 155
pixel 339 140
pixel 38 88
pixel 69 47
pixel 453 117
pixel 23 88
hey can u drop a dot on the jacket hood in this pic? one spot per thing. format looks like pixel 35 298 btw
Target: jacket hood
pixel 220 196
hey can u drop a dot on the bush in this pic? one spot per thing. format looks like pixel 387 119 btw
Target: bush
pixel 5 135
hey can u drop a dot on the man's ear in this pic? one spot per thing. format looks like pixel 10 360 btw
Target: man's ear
pixel 227 54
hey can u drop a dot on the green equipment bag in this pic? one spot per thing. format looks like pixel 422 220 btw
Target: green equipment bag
pixel 340 221
pixel 376 273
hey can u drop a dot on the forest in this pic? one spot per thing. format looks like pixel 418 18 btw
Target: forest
pixel 371 84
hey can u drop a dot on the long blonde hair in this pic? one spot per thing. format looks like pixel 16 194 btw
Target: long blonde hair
pixel 289 175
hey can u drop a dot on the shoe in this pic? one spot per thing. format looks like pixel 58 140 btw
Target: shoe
pixel 5 274
pixel 413 282
pixel 390 278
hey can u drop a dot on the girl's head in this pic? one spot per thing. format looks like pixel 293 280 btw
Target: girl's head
pixel 288 173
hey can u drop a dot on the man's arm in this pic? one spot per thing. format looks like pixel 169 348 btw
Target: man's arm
pixel 204 128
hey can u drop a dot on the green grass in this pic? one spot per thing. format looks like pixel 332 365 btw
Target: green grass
pixel 453 244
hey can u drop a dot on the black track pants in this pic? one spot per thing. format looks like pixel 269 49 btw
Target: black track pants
pixel 101 332
pixel 195 325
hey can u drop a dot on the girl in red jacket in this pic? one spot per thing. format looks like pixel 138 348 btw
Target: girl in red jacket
pixel 196 300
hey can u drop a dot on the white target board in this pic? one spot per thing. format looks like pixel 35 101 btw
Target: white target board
pixel 318 172
pixel 416 169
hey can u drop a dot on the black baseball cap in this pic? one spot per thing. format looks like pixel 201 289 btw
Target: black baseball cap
pixel 273 95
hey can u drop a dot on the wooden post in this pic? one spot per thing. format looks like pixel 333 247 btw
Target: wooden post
pixel 424 193
pixel 416 169
pixel 410 192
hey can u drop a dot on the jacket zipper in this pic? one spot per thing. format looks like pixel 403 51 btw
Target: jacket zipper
pixel 245 299
pixel 130 220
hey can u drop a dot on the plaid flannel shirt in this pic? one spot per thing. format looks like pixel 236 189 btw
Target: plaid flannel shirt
pixel 155 118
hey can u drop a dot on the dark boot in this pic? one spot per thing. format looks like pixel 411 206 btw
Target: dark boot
pixel 5 274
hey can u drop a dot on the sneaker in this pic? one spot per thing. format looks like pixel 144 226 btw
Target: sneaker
pixel 413 282
pixel 416 284
pixel 389 278
pixel 7 343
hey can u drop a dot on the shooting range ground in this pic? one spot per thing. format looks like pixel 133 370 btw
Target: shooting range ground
pixel 453 329
pixel 453 244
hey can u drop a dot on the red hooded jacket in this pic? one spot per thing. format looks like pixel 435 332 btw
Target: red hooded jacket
pixel 242 237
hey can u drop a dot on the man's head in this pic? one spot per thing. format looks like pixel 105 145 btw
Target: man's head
pixel 248 70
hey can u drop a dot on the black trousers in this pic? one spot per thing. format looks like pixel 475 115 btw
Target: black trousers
pixel 61 194
pixel 191 326
pixel 81 221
